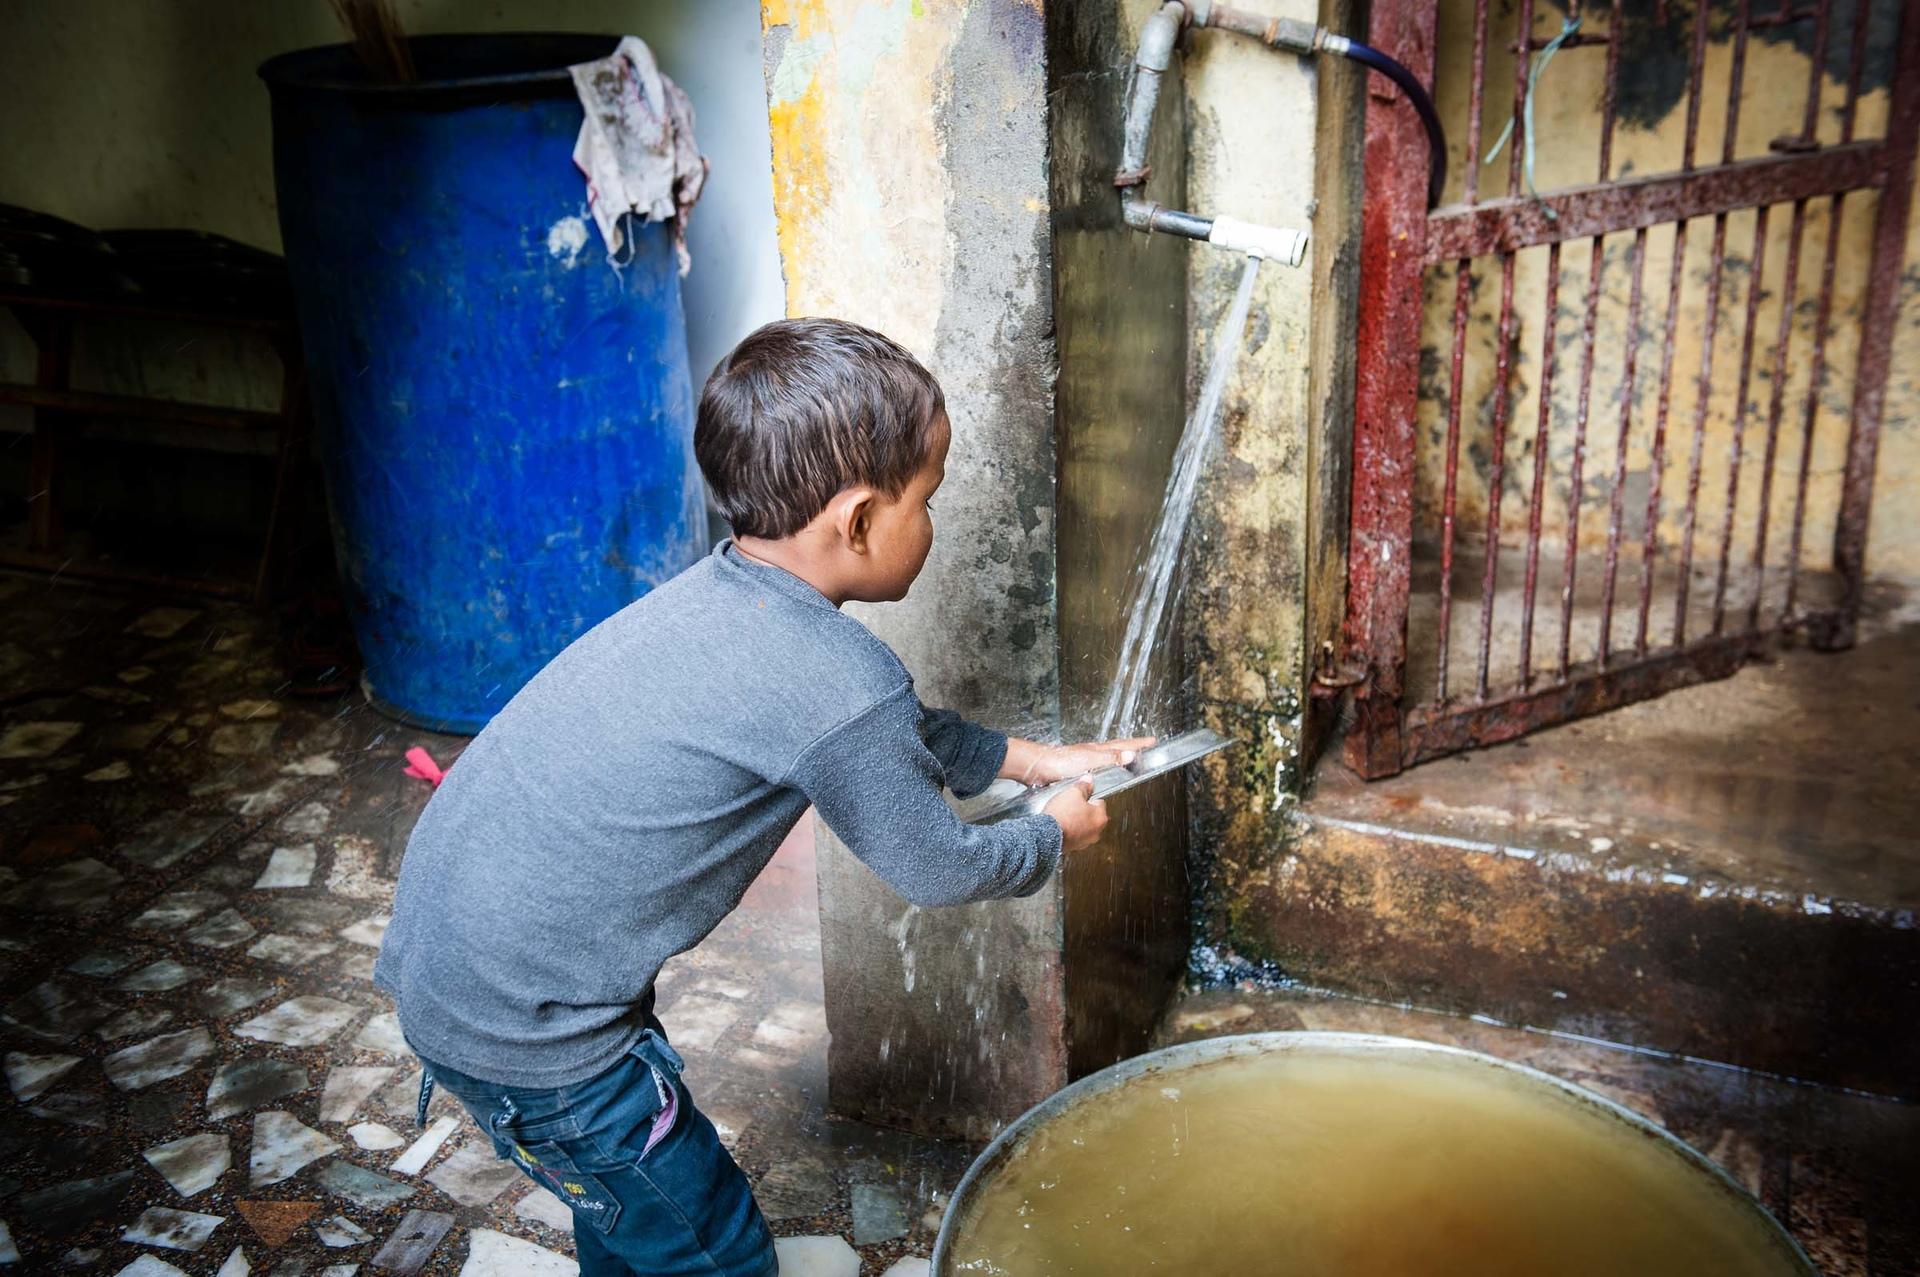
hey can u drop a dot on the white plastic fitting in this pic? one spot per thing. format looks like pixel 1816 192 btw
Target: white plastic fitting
pixel 1289 248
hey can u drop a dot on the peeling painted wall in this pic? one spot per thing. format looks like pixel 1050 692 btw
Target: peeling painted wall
pixel 910 161
pixel 973 216
pixel 910 194
pixel 1649 139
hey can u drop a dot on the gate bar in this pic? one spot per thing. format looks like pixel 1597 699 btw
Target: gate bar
pixel 1386 392
pixel 1496 476
pixel 1729 141
pixel 1596 262
pixel 1433 731
pixel 1502 225
pixel 1676 277
pixel 1755 276
pixel 1876 339
pixel 1617 497
pixel 1789 291
pixel 1470 175
pixel 1856 57
pixel 1549 315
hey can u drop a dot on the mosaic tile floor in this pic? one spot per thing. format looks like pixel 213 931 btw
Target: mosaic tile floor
pixel 194 875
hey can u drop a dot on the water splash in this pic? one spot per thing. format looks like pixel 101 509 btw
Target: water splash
pixel 1153 580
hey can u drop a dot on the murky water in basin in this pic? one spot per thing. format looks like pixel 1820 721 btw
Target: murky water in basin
pixel 1363 1163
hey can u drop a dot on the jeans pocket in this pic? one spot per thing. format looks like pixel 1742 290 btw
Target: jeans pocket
pixel 551 1166
pixel 664 1064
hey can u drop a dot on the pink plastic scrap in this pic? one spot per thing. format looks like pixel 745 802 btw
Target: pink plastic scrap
pixel 420 766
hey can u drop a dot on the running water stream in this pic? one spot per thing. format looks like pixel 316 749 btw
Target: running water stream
pixel 1154 578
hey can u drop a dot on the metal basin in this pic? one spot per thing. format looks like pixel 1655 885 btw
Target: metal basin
pixel 1483 1154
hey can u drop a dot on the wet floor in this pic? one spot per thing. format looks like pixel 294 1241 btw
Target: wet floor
pixel 1797 775
pixel 194 872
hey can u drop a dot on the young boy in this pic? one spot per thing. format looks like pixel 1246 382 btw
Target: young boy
pixel 616 810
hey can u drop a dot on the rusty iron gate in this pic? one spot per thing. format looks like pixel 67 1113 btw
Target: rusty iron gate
pixel 1411 706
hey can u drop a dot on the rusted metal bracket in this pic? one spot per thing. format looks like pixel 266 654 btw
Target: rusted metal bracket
pixel 1332 678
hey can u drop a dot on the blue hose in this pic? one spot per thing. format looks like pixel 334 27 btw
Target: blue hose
pixel 1367 55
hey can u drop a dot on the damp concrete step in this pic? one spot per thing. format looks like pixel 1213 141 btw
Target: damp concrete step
pixel 1731 873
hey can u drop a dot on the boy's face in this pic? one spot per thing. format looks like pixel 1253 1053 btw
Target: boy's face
pixel 901 532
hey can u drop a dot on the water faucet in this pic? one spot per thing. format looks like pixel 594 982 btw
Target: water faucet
pixel 1158 37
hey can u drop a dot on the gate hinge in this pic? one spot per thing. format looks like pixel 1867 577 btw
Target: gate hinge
pixel 1332 677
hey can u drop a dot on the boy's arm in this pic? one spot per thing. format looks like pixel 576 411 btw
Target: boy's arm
pixel 971 755
pixel 875 782
pixel 974 756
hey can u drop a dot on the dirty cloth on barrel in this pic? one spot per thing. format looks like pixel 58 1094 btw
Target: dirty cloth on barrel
pixel 636 146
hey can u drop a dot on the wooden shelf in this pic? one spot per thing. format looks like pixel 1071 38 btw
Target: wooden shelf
pixel 59 565
pixel 49 321
pixel 141 308
pixel 96 404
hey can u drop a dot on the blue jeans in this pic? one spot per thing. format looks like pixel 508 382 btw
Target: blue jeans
pixel 652 1189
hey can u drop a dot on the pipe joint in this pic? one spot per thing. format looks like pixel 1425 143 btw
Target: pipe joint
pixel 1291 34
pixel 1159 35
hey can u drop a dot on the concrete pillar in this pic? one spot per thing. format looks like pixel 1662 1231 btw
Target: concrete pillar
pixel 943 172
pixel 910 189
pixel 1273 138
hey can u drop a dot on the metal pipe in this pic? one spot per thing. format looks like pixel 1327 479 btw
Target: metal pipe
pixel 1291 34
pixel 1159 37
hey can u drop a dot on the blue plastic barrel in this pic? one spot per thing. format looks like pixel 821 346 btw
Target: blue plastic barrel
pixel 505 417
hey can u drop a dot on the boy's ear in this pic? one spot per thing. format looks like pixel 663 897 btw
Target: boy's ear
pixel 853 517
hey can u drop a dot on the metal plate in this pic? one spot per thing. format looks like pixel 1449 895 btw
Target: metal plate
pixel 1008 800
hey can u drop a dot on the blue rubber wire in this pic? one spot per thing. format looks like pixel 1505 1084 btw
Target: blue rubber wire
pixel 1567 28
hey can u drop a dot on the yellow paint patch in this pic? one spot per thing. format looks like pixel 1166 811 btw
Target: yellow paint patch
pixel 860 190
pixel 801 183
pixel 805 16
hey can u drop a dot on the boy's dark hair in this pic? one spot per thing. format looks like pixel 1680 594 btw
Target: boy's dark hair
pixel 804 408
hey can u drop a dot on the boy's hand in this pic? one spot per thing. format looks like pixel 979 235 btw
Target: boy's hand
pixel 1035 764
pixel 1081 816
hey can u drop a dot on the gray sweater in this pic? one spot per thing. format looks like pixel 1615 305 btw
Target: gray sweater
pixel 617 809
